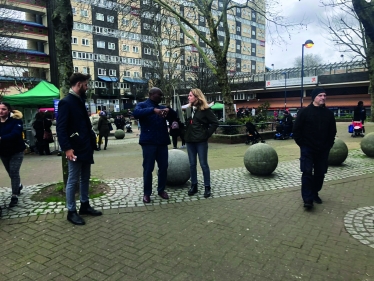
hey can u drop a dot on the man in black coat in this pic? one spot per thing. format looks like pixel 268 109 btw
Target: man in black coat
pixel 314 132
pixel 76 138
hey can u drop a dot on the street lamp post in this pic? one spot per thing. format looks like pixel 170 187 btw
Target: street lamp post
pixel 308 44
pixel 285 90
pixel 134 87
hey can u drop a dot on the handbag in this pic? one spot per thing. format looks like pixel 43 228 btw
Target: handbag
pixel 47 136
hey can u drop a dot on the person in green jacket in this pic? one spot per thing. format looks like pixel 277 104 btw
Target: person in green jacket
pixel 199 127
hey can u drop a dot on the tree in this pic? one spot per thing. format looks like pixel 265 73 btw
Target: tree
pixel 309 60
pixel 354 33
pixel 345 31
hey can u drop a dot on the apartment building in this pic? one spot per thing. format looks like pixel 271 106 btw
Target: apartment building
pixel 125 48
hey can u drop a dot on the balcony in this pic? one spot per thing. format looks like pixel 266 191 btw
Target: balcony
pixel 23 58
pixel 28 6
pixel 23 29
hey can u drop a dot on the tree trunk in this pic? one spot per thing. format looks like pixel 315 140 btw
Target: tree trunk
pixel 224 86
pixel 62 19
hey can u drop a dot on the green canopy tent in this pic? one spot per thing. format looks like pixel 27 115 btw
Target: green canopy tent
pixel 42 95
pixel 217 106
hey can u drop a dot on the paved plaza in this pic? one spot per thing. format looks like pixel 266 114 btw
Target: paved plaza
pixel 253 228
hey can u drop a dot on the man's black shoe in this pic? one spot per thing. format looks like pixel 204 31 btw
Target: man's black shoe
pixel 163 195
pixel 86 209
pixel 318 200
pixel 147 199
pixel 207 192
pixel 192 190
pixel 74 218
pixel 19 190
pixel 308 204
pixel 13 201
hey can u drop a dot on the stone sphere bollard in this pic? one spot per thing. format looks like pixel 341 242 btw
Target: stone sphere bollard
pixel 119 134
pixel 178 169
pixel 338 153
pixel 367 144
pixel 261 159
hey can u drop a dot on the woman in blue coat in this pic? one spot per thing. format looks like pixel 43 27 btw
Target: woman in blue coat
pixel 12 147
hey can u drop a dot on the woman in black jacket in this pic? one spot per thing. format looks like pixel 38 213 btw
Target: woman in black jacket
pixel 12 147
pixel 103 127
pixel 40 125
pixel 200 127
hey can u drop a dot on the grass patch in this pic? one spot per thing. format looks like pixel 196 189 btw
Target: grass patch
pixel 55 192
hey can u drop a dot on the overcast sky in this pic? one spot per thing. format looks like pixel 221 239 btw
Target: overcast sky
pixel 283 56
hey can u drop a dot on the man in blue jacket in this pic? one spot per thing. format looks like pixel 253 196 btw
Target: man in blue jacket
pixel 314 132
pixel 154 140
pixel 76 138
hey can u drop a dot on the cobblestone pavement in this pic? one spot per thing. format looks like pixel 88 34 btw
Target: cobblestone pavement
pixel 253 236
pixel 128 192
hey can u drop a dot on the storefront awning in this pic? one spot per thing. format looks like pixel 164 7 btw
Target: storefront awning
pixel 108 78
pixel 135 80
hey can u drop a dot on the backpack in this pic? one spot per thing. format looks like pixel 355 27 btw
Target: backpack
pixel 175 125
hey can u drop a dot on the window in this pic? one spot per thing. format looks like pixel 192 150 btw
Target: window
pixel 74 54
pixel 85 42
pixel 146 26
pixel 100 16
pixel 74 40
pixel 253 66
pixel 134 23
pixel 127 74
pixel 125 48
pixel 221 43
pixel 76 69
pixel 111 46
pixel 101 71
pixel 110 19
pixel 238 47
pixel 147 51
pixel 238 28
pixel 253 32
pixel 181 35
pixel 146 2
pixel 136 74
pixel 100 44
pixel 135 49
pixel 182 57
pixel 238 65
pixel 112 72
pixel 253 15
pixel 238 10
pixel 220 4
pixel 175 55
pixel 86 70
pixel 84 13
pixel 202 19
pixel 167 54
pixel 125 22
pixel 253 50
pixel 74 10
pixel 156 52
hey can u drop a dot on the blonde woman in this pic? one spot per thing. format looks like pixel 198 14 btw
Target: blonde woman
pixel 200 126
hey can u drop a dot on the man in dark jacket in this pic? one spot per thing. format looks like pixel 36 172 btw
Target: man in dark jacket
pixel 76 138
pixel 359 114
pixel 314 132
pixel 154 140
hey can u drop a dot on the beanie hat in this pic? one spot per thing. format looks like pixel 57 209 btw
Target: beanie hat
pixel 102 113
pixel 316 92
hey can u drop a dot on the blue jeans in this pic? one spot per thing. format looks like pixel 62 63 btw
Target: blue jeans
pixel 200 149
pixel 312 161
pixel 12 165
pixel 152 154
pixel 82 170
